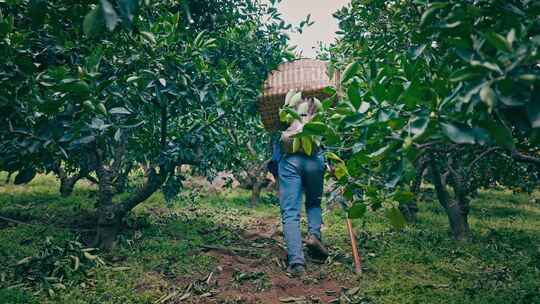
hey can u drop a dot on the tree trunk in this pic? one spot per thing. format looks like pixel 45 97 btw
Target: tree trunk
pixel 461 198
pixel 256 192
pixel 108 228
pixel 244 181
pixel 108 223
pixel 419 177
pixel 110 215
pixel 122 180
pixel 459 225
pixel 67 184
pixel 410 209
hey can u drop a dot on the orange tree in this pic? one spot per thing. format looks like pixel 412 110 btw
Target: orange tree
pixel 99 88
pixel 447 90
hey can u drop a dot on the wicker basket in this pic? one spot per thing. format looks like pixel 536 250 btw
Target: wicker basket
pixel 306 75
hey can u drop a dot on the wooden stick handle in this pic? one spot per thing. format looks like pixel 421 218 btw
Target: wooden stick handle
pixel 356 255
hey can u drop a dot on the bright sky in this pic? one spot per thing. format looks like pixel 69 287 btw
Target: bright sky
pixel 325 26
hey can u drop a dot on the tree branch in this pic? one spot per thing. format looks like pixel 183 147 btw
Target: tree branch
pixel 209 124
pixel 524 158
pixel 442 193
pixel 152 184
pixel 250 148
pixel 120 151
pixel 7 219
pixel 482 155
pixel 164 120
pixel 19 132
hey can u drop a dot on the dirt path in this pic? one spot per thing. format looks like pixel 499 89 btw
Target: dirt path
pixel 253 272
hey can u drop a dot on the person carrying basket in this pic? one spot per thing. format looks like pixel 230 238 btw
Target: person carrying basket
pixel 299 169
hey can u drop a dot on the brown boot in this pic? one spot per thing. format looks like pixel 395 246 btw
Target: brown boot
pixel 315 248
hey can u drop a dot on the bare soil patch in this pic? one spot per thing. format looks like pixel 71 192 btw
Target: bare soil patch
pixel 254 272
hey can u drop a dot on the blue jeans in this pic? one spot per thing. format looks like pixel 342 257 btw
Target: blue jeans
pixel 299 172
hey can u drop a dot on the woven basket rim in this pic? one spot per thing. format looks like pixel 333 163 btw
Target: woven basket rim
pixel 301 74
pixel 305 75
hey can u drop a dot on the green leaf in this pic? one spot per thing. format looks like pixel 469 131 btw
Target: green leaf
pixel 364 107
pixel 499 133
pixel 118 135
pixel 462 75
pixel 148 37
pixel 488 96
pixel 109 14
pixel 198 40
pixel 396 174
pixel 92 23
pixel 302 108
pixel 318 104
pixel 86 140
pixel 289 95
pixel 529 77
pixel 481 136
pixel 307 145
pixel 511 101
pixel 488 65
pixel 25 260
pixel 314 128
pixel 296 144
pixel 396 218
pixel 511 37
pixel 132 78
pixel 407 143
pixel 75 86
pixel 101 108
pixel 379 154
pixel 294 99
pixel 6 25
pixel 88 105
pixel 498 41
pixel 404 197
pixel 350 71
pixel 89 256
pixel 418 125
pixel 446 25
pixel 434 7
pixel 458 133
pixel 357 210
pixel 333 156
pixel 354 95
pixel 291 112
pixel 341 171
pixel 38 12
pixel 417 51
pixel 120 111
pixel 98 124
pixel 283 116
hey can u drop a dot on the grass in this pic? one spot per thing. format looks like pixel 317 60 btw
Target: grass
pixel 162 245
